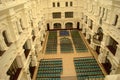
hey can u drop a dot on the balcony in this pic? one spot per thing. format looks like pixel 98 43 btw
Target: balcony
pixel 96 41
pixel 97 38
pixel 26 52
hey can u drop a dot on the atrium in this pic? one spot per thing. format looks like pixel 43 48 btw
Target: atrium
pixel 59 40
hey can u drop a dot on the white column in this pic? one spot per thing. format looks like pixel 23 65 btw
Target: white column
pixel 117 55
pixel 34 60
pixel 3 45
pixel 102 56
pixel 97 9
pixel 89 22
pixel 83 31
pixel 19 27
pixel 101 12
pixel 19 61
pixel 28 75
pixel 105 40
pixel 87 36
pixel 25 19
pixel 92 45
pixel 29 41
pixel 113 19
pixel 85 18
pixel 42 38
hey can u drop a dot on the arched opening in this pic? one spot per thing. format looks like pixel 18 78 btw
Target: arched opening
pixel 14 70
pixel 66 45
pixel 48 26
pixel 53 4
pixel 58 4
pixel 115 20
pixel 6 38
pixel 27 48
pixel 69 25
pixel 78 25
pixel 107 65
pixel 98 49
pixel 57 26
pixel 19 29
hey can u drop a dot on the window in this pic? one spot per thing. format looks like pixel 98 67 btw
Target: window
pixel 99 11
pixel 56 15
pixel 21 23
pixel 58 4
pixel 14 70
pixel 53 4
pixel 71 4
pixel 68 14
pixel 19 28
pixel 103 12
pixel 66 4
pixel 112 45
pixel 115 20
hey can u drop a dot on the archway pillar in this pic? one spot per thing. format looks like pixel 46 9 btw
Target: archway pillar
pixel 3 45
pixel 69 25
pixel 102 56
pixel 19 27
pixel 9 37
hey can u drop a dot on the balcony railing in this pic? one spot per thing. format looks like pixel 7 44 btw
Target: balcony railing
pixel 96 41
pixel 16 74
pixel 27 51
pixel 32 70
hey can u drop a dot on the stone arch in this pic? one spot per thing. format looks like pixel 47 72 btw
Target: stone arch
pixel 69 25
pixel 6 35
pixel 57 25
